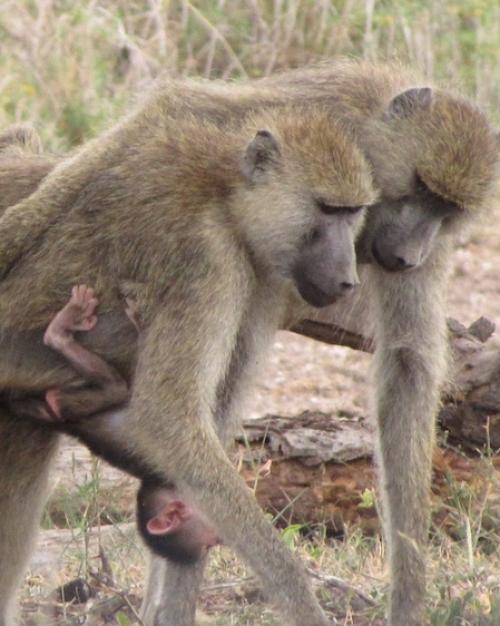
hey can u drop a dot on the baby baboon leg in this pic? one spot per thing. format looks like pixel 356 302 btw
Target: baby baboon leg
pixel 171 592
pixel 409 366
pixel 33 408
pixel 25 454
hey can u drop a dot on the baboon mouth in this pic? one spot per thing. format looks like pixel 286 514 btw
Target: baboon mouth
pixel 379 259
pixel 389 265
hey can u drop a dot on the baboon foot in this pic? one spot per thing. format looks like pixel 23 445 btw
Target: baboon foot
pixel 77 315
pixel 54 405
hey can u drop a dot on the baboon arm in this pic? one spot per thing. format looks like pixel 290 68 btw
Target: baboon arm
pixel 171 593
pixel 409 362
pixel 171 427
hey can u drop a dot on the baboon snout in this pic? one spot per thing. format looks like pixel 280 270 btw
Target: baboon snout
pixel 405 244
pixel 321 284
pixel 326 269
pixel 398 258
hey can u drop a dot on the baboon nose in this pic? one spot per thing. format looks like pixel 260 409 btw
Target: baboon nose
pixel 347 286
pixel 403 263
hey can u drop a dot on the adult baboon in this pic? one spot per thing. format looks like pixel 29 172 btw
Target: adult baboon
pixel 433 156
pixel 217 226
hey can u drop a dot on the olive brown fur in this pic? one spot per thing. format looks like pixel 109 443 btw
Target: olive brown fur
pixel 213 223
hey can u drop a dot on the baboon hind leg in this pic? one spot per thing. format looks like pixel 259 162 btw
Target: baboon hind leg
pixel 25 453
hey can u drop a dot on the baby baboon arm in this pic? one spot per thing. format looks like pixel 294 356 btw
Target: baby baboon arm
pixel 410 362
pixel 133 292
pixel 170 404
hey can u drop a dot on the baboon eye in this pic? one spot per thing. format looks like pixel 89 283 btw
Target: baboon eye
pixel 435 202
pixel 330 209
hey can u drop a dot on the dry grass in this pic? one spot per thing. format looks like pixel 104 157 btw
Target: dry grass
pixel 70 66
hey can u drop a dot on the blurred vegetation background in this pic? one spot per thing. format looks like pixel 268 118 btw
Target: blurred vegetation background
pixel 70 66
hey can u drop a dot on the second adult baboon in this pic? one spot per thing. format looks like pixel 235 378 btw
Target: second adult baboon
pixel 217 226
pixel 435 158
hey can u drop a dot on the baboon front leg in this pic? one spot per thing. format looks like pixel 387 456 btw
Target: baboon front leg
pixel 410 362
pixel 171 408
pixel 172 590
pixel 25 454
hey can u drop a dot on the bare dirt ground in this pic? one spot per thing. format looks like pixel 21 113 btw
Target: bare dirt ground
pixel 301 374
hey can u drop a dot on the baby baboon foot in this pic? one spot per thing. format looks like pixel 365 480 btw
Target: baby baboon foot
pixel 76 315
pixel 54 407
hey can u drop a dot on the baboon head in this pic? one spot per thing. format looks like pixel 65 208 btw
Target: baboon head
pixel 435 158
pixel 307 184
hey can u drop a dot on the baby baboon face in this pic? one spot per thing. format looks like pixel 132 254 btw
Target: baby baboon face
pixel 439 174
pixel 308 188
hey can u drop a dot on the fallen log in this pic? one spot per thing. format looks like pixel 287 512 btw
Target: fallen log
pixel 318 468
pixel 471 399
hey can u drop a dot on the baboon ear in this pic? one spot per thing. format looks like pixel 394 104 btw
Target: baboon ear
pixel 407 103
pixel 261 155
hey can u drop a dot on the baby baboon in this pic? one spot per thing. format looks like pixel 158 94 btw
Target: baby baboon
pixel 172 527
pixel 216 225
pixel 104 386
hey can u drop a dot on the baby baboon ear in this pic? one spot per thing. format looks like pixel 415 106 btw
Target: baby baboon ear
pixel 169 519
pixel 407 103
pixel 261 155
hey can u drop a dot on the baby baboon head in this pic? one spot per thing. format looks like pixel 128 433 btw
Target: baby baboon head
pixel 307 185
pixel 171 526
pixel 435 159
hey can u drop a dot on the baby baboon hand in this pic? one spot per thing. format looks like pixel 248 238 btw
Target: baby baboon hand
pixel 132 311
